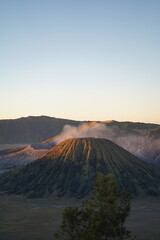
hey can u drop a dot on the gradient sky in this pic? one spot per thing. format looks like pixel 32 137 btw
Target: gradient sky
pixel 80 59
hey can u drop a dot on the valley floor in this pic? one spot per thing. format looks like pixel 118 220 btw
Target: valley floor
pixel 38 219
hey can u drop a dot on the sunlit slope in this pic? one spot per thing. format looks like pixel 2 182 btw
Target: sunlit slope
pixel 70 168
pixel 11 159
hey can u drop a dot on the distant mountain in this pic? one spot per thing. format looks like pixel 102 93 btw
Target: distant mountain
pixel 31 129
pixel 133 125
pixel 70 168
pixel 37 129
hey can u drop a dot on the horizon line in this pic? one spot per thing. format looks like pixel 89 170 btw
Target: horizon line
pixel 103 121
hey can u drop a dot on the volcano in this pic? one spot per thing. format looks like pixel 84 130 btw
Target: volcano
pixel 71 167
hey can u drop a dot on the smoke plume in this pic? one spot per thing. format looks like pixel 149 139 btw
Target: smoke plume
pixel 137 143
pixel 97 130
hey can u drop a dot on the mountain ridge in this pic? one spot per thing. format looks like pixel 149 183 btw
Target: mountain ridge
pixel 31 129
pixel 34 129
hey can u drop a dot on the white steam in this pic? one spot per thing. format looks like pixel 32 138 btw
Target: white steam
pixel 97 130
pixel 137 143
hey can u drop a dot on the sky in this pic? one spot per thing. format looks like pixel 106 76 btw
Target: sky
pixel 80 59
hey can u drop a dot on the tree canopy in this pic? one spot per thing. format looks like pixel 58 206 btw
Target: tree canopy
pixel 100 218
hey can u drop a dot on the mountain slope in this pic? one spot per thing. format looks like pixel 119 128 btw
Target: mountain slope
pixel 31 129
pixel 154 133
pixel 70 168
pixel 15 158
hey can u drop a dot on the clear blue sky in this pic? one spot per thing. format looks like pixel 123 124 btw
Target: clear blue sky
pixel 80 59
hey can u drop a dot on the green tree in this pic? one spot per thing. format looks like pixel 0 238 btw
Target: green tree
pixel 101 218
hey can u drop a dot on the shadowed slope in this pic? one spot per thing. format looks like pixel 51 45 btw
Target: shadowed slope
pixel 31 129
pixel 71 167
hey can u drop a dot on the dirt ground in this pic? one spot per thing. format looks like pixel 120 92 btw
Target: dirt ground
pixel 38 219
